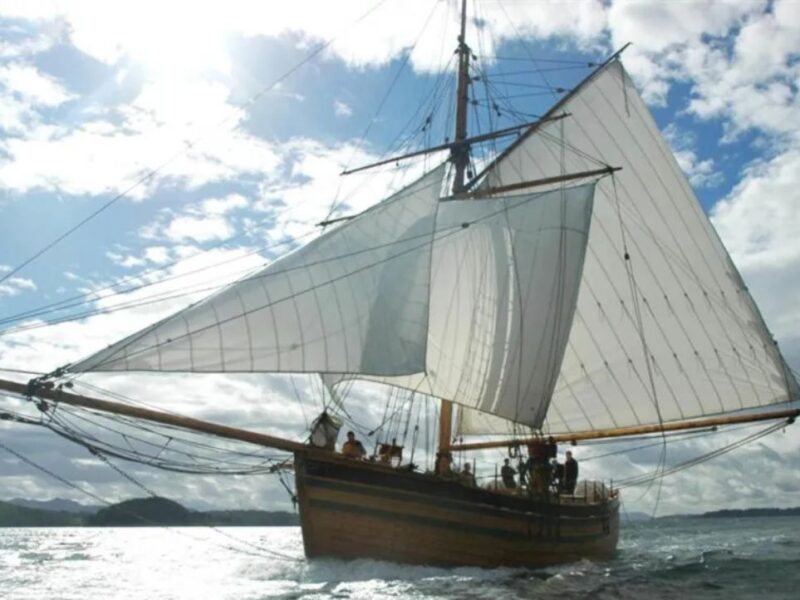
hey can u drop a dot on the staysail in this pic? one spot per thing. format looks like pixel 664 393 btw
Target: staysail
pixel 353 300
pixel 664 328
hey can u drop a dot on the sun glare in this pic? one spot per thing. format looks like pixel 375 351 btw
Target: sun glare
pixel 179 40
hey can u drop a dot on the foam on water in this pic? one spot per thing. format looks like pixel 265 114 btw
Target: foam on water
pixel 667 558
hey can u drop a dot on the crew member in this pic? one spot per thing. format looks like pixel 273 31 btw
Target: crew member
pixel 352 448
pixel 539 466
pixel 558 476
pixel 467 477
pixel 551 449
pixel 570 473
pixel 507 473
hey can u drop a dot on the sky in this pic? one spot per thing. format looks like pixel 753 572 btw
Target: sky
pixel 211 137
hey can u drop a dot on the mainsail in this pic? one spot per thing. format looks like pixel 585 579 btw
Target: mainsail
pixel 665 329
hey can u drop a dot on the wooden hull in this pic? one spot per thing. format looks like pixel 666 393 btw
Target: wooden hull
pixel 352 509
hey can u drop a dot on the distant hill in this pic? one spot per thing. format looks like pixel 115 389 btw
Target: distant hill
pixel 57 504
pixel 12 515
pixel 751 512
pixel 253 518
pixel 160 511
pixel 141 512
pixel 633 516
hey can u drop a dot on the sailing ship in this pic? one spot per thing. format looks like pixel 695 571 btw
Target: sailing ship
pixel 573 288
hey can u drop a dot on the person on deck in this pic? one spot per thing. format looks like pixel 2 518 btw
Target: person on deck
pixel 558 476
pixel 524 469
pixel 352 448
pixel 507 473
pixel 551 449
pixel 467 477
pixel 570 473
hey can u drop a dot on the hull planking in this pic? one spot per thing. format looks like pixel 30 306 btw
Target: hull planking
pixel 352 509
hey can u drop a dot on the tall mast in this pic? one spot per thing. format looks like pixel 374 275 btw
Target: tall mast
pixel 459 156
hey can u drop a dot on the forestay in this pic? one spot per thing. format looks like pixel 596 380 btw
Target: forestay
pixel 670 334
pixel 355 300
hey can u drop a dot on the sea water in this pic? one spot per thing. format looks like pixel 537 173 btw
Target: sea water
pixel 694 558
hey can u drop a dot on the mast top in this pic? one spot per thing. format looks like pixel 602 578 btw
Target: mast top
pixel 459 152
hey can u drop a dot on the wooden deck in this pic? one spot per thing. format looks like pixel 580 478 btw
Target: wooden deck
pixel 354 509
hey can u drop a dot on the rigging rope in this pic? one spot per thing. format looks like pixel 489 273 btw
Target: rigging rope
pixel 261 551
pixel 661 472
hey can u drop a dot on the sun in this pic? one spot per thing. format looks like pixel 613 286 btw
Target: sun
pixel 179 40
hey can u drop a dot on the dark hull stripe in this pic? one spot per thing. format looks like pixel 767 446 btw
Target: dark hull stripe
pixel 450 525
pixel 459 506
pixel 440 490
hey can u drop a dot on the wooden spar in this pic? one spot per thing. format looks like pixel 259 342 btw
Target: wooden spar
pixel 118 408
pixel 637 430
pixel 532 183
pixel 459 154
pixel 446 425
pixel 483 137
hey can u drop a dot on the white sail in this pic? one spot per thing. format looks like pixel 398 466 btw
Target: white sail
pixel 353 300
pixel 470 301
pixel 670 334
pixel 503 292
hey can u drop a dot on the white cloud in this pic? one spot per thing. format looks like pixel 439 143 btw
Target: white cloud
pixel 202 221
pixel 125 260
pixel 14 286
pixel 157 254
pixel 666 34
pixel 25 91
pixel 32 86
pixel 760 218
pixel 198 229
pixel 97 158
pixel 701 172
pixel 144 31
pixel 759 221
pixel 221 206
pixel 342 109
